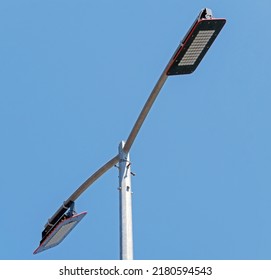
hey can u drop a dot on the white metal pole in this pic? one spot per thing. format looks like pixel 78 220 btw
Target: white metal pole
pixel 125 195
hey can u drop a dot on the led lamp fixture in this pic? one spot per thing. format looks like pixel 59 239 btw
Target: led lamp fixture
pixel 195 44
pixel 59 232
pixel 184 61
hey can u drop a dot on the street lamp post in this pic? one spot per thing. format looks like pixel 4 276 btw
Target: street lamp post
pixel 185 60
pixel 125 202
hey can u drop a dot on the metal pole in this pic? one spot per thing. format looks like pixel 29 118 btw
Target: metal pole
pixel 125 195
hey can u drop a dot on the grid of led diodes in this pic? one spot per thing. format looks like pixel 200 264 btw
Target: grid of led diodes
pixel 61 233
pixel 196 48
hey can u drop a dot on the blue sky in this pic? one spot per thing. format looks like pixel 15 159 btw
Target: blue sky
pixel 74 77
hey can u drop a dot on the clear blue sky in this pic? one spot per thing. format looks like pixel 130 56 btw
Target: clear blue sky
pixel 74 77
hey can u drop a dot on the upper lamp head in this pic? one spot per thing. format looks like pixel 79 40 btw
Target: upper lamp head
pixel 196 43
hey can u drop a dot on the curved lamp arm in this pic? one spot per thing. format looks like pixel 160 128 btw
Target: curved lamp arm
pixel 79 191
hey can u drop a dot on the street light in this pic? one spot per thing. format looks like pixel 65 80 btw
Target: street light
pixel 196 43
pixel 185 60
pixel 60 230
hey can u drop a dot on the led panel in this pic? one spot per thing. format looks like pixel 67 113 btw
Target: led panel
pixel 194 46
pixel 58 234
